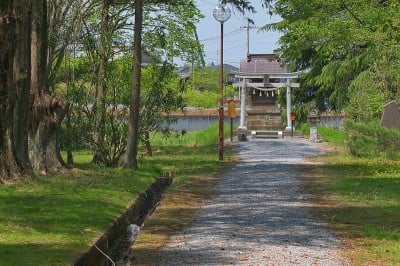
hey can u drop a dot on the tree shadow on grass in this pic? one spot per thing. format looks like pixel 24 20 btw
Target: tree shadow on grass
pixel 35 254
pixel 56 214
pixel 360 201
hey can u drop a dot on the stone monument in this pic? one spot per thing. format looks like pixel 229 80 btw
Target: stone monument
pixel 391 116
pixel 313 119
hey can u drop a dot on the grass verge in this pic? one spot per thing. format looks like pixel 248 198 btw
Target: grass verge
pixel 175 213
pixel 360 200
pixel 51 220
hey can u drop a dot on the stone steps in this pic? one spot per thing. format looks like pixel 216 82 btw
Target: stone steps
pixel 269 127
pixel 267 134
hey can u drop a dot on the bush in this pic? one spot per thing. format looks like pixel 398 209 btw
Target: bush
pixel 206 99
pixel 373 140
pixel 305 129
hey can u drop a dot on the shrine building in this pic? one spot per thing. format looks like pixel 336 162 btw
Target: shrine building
pixel 259 81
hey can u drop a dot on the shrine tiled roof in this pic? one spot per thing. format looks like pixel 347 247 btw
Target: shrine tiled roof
pixel 262 63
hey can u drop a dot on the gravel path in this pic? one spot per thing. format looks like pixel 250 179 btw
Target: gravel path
pixel 258 216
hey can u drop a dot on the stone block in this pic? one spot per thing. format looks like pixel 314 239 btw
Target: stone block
pixel 391 116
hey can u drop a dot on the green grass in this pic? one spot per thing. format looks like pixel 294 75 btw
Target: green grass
pixel 364 197
pixel 366 206
pixel 206 137
pixel 332 135
pixel 51 220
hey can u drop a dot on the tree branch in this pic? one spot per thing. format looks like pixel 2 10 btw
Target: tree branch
pixel 352 13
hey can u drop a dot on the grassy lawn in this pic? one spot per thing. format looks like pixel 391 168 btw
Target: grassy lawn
pixel 51 220
pixel 360 198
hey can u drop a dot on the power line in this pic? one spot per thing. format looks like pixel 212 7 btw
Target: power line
pixel 226 35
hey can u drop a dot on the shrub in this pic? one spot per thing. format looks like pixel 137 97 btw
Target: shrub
pixel 206 99
pixel 373 140
pixel 305 129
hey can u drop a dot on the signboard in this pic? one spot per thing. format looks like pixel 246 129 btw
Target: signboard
pixel 292 116
pixel 231 109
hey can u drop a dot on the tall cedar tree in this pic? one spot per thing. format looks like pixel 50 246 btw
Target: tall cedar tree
pixel 15 67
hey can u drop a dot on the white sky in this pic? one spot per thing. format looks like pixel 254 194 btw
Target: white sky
pixel 235 33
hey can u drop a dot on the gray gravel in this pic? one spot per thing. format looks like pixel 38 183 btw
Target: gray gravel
pixel 258 215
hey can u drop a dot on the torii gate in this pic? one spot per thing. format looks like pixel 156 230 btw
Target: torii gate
pixel 245 81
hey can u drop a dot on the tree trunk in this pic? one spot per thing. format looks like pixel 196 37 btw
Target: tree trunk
pixel 147 143
pixel 14 90
pixel 101 86
pixel 70 158
pixel 133 123
pixel 47 111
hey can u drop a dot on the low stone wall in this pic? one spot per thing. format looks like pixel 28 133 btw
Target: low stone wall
pixel 198 122
pixel 333 121
pixel 137 213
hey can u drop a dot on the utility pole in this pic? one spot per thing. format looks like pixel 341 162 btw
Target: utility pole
pixel 249 21
pixel 203 62
pixel 193 73
pixel 248 37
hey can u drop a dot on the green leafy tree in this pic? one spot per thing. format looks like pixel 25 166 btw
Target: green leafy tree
pixel 205 79
pixel 203 88
pixel 103 35
pixel 365 101
pixel 169 31
pixel 106 36
pixel 162 94
pixel 130 160
pixel 343 46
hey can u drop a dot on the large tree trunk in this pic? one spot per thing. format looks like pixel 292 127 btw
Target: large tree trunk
pixel 133 123
pixel 47 111
pixel 14 90
pixel 44 134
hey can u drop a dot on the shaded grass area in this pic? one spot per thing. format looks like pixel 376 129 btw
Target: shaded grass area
pixel 49 221
pixel 53 219
pixel 360 198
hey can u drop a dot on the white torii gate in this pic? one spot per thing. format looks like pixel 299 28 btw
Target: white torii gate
pixel 245 81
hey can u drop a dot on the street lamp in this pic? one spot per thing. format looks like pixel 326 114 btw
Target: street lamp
pixel 221 13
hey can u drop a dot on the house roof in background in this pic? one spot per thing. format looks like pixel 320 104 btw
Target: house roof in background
pixel 148 59
pixel 185 71
pixel 228 68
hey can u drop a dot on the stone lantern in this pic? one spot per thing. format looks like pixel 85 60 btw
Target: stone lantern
pixel 313 119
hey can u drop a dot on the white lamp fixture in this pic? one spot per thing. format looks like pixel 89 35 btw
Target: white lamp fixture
pixel 222 13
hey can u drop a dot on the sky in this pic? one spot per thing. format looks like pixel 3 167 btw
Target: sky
pixel 235 33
